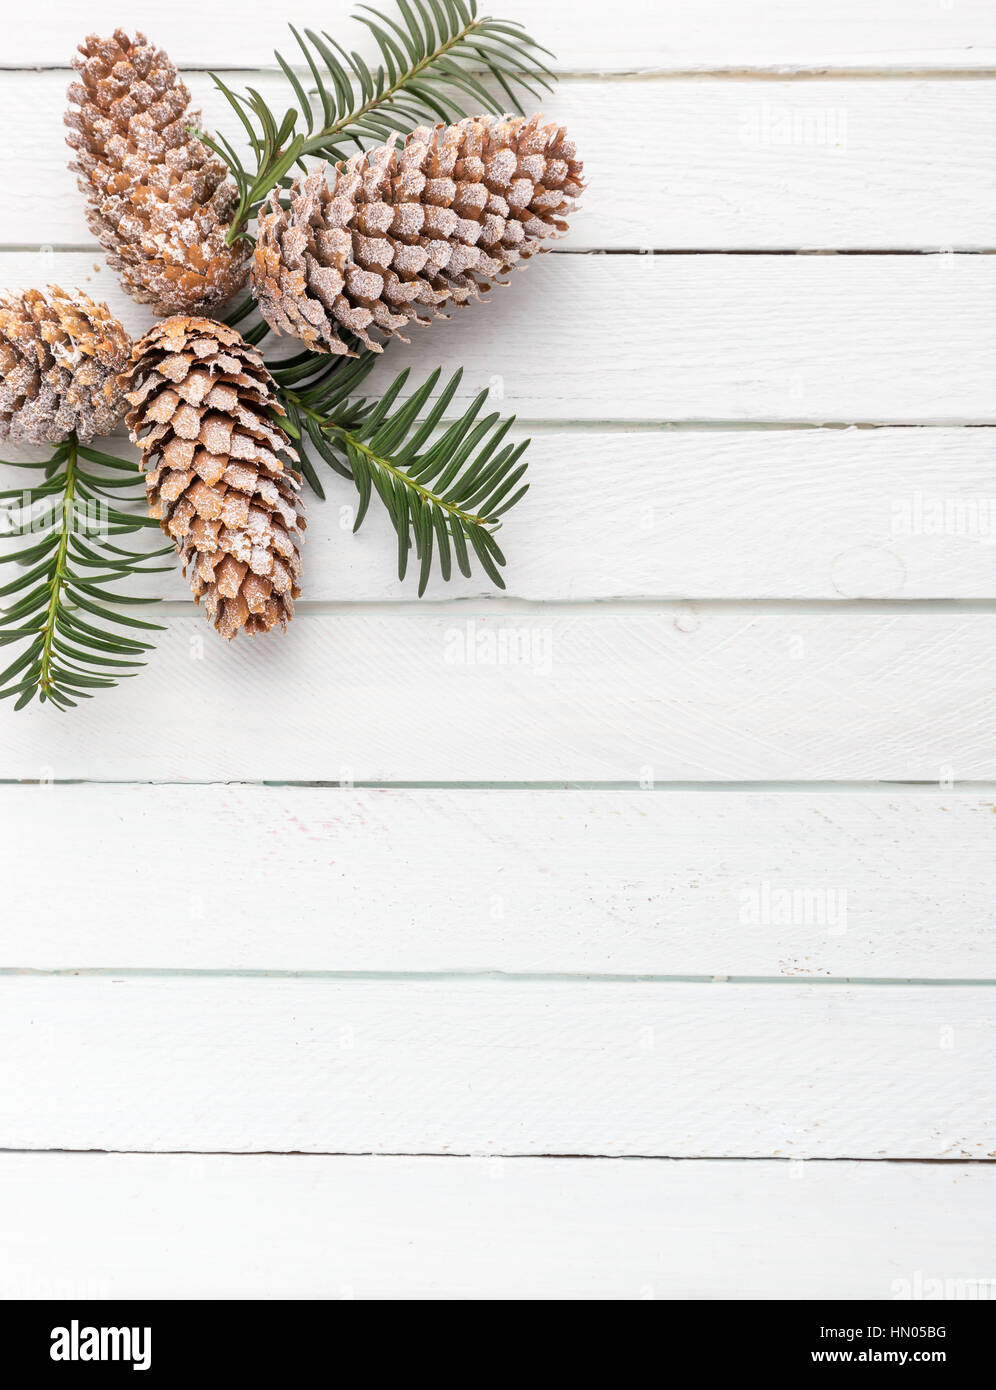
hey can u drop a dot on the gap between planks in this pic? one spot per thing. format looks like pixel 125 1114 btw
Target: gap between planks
pixel 541 977
pixel 609 426
pixel 980 787
pixel 476 1156
pixel 772 72
pixel 509 607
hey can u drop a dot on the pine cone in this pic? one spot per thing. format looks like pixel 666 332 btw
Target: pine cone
pixel 200 397
pixel 160 203
pixel 60 355
pixel 402 232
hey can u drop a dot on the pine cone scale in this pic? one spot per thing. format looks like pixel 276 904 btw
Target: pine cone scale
pixel 60 357
pixel 393 235
pixel 215 481
pixel 159 201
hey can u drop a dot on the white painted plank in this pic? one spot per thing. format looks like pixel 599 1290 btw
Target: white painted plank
pixel 698 514
pixel 644 34
pixel 465 1066
pixel 723 338
pixel 522 695
pixel 887 165
pixel 640 882
pixel 269 1227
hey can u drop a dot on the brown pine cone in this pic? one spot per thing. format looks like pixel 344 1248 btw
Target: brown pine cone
pixel 201 398
pixel 159 202
pixel 402 232
pixel 60 356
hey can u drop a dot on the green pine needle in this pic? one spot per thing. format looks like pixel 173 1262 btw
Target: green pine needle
pixel 445 486
pixel 432 56
pixel 61 604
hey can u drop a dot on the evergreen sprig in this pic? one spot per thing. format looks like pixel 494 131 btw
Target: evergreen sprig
pixel 445 486
pixel 65 607
pixel 432 56
pixel 311 387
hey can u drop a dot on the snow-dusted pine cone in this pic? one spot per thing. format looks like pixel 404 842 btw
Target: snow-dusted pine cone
pixel 60 356
pixel 200 397
pixel 159 201
pixel 401 232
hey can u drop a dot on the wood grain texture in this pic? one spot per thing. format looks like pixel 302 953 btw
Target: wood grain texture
pixel 887 165
pixel 147 1226
pixel 693 514
pixel 663 694
pixel 643 36
pixel 358 1066
pixel 642 882
pixel 723 338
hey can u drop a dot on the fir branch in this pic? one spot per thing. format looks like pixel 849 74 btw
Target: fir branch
pixel 444 492
pixel 432 53
pixel 311 387
pixel 439 497
pixel 65 604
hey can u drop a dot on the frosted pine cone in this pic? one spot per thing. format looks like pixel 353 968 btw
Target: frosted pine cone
pixel 60 356
pixel 401 232
pixel 159 201
pixel 200 398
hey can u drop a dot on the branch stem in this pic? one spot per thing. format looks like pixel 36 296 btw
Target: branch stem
pixel 264 182
pixel 59 571
pixel 324 137
pixel 350 439
pixel 469 518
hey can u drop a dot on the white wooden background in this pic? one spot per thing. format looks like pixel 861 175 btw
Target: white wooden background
pixel 624 969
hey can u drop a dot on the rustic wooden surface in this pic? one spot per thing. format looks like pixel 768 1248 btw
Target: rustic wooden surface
pixel 137 1225
pixel 644 37
pixel 677 1070
pixel 682 848
pixel 848 162
pixel 835 885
